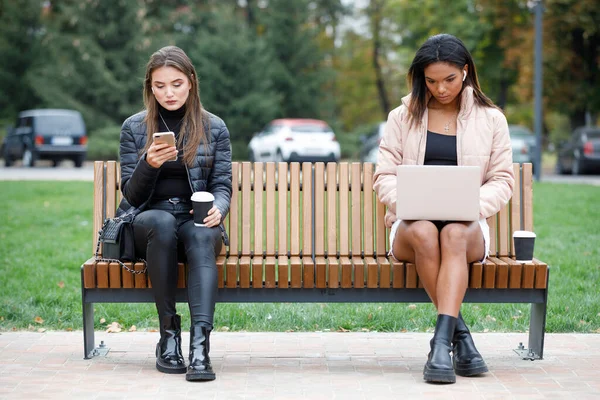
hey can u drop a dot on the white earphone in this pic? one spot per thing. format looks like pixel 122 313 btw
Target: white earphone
pixel 153 89
pixel 464 75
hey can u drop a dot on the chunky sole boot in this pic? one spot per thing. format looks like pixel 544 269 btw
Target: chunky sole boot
pixel 200 368
pixel 439 368
pixel 466 359
pixel 169 359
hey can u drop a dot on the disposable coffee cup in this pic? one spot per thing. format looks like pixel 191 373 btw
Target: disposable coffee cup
pixel 523 244
pixel 202 202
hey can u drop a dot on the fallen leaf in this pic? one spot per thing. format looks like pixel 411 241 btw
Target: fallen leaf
pixel 486 330
pixel 224 329
pixel 412 306
pixel 153 330
pixel 516 316
pixel 341 329
pixel 365 330
pixel 39 320
pixel 114 327
pixel 370 316
pixel 490 318
pixel 42 330
pixel 61 284
pixel 2 318
pixel 133 328
pixel 102 320
pixel 582 322
pixel 30 327
pixel 403 331
pixel 69 329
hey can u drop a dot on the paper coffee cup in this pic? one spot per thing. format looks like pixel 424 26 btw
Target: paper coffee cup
pixel 202 202
pixel 524 242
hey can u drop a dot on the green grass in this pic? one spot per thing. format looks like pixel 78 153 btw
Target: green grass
pixel 45 235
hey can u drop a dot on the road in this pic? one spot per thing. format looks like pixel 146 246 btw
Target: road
pixel 66 172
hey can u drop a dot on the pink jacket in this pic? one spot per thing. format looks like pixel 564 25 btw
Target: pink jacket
pixel 482 140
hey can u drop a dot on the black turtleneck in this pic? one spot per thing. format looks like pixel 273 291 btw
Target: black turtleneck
pixel 172 179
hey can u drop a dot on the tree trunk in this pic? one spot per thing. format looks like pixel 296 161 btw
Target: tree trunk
pixel 376 26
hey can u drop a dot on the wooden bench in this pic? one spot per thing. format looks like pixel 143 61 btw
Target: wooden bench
pixel 315 233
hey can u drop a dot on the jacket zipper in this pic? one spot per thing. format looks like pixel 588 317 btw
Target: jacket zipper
pixel 224 235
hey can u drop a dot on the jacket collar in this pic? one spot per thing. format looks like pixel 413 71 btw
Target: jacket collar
pixel 467 102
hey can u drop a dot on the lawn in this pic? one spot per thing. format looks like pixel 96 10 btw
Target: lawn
pixel 45 235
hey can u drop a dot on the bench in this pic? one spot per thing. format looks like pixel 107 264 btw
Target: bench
pixel 315 233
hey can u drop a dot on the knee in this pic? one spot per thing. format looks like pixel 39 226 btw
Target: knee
pixel 454 236
pixel 424 235
pixel 207 238
pixel 162 227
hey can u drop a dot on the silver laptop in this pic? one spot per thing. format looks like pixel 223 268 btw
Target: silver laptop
pixel 432 192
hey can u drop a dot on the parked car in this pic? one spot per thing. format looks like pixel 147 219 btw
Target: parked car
pixel 370 143
pixel 48 134
pixel 581 153
pixel 523 144
pixel 295 140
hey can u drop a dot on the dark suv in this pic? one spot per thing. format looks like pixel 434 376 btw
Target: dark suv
pixel 46 134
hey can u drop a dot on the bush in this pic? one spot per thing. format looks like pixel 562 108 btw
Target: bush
pixel 103 143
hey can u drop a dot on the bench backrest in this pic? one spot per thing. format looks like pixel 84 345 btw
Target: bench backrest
pixel 335 201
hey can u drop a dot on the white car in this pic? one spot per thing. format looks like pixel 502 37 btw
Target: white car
pixel 291 140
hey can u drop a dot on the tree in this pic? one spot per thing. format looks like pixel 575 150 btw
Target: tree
pixel 20 33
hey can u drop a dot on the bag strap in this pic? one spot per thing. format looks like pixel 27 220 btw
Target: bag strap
pixel 98 258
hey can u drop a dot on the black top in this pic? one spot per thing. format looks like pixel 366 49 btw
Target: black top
pixel 440 149
pixel 172 179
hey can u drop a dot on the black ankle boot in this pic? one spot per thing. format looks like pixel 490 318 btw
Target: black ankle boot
pixel 465 357
pixel 439 363
pixel 169 358
pixel 200 368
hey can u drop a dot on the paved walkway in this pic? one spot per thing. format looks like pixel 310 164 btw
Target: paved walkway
pixel 293 366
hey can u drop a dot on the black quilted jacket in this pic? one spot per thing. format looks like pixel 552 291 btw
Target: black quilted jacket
pixel 211 171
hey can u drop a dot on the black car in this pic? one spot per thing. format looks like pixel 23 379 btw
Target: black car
pixel 46 134
pixel 581 153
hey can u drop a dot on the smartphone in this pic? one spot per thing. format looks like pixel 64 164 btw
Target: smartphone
pixel 165 137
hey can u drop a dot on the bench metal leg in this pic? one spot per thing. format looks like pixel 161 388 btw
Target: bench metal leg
pixel 537 329
pixel 88 330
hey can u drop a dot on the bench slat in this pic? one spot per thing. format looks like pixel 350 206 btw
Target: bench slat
pixel 114 275
pixel 541 274
pixel 102 275
pixel 221 260
pixel 346 272
pixel 295 211
pixel 319 185
pixel 271 209
pixel 384 272
pixel 332 209
pixel 258 208
pixel 528 276
pixel 501 272
pixel 234 212
pixel 368 195
pixel 515 207
pixel 244 272
pixel 321 272
pixel 140 280
pixel 476 275
pixel 399 278
pixel 246 207
pixel 282 197
pixel 527 208
pixel 111 182
pixel 127 277
pixel 271 276
pixel 411 275
pixel 307 219
pixel 358 265
pixel 503 230
pixel 381 236
pixel 356 209
pixel 492 223
pixel 372 272
pixel 344 230
pixel 489 274
pixel 257 272
pixel 231 272
pixel 334 273
pixel 89 274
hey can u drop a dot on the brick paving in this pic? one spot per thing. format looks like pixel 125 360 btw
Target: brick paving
pixel 266 365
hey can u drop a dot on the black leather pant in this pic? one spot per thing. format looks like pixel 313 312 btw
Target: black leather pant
pixel 165 234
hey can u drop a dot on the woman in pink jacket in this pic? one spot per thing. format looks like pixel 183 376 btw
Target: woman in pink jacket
pixel 446 120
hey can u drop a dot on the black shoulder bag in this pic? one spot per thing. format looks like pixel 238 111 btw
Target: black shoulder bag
pixel 116 236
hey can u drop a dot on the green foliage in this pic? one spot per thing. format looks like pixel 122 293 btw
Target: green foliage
pixel 46 234
pixel 103 143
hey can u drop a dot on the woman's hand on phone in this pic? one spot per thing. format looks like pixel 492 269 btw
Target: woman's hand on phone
pixel 213 218
pixel 160 152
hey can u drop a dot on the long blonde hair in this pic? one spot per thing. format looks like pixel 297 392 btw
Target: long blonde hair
pixel 192 127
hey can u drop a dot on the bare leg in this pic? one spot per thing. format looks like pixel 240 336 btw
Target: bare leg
pixel 418 242
pixel 460 244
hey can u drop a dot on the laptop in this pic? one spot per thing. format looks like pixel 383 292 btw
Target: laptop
pixel 437 193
